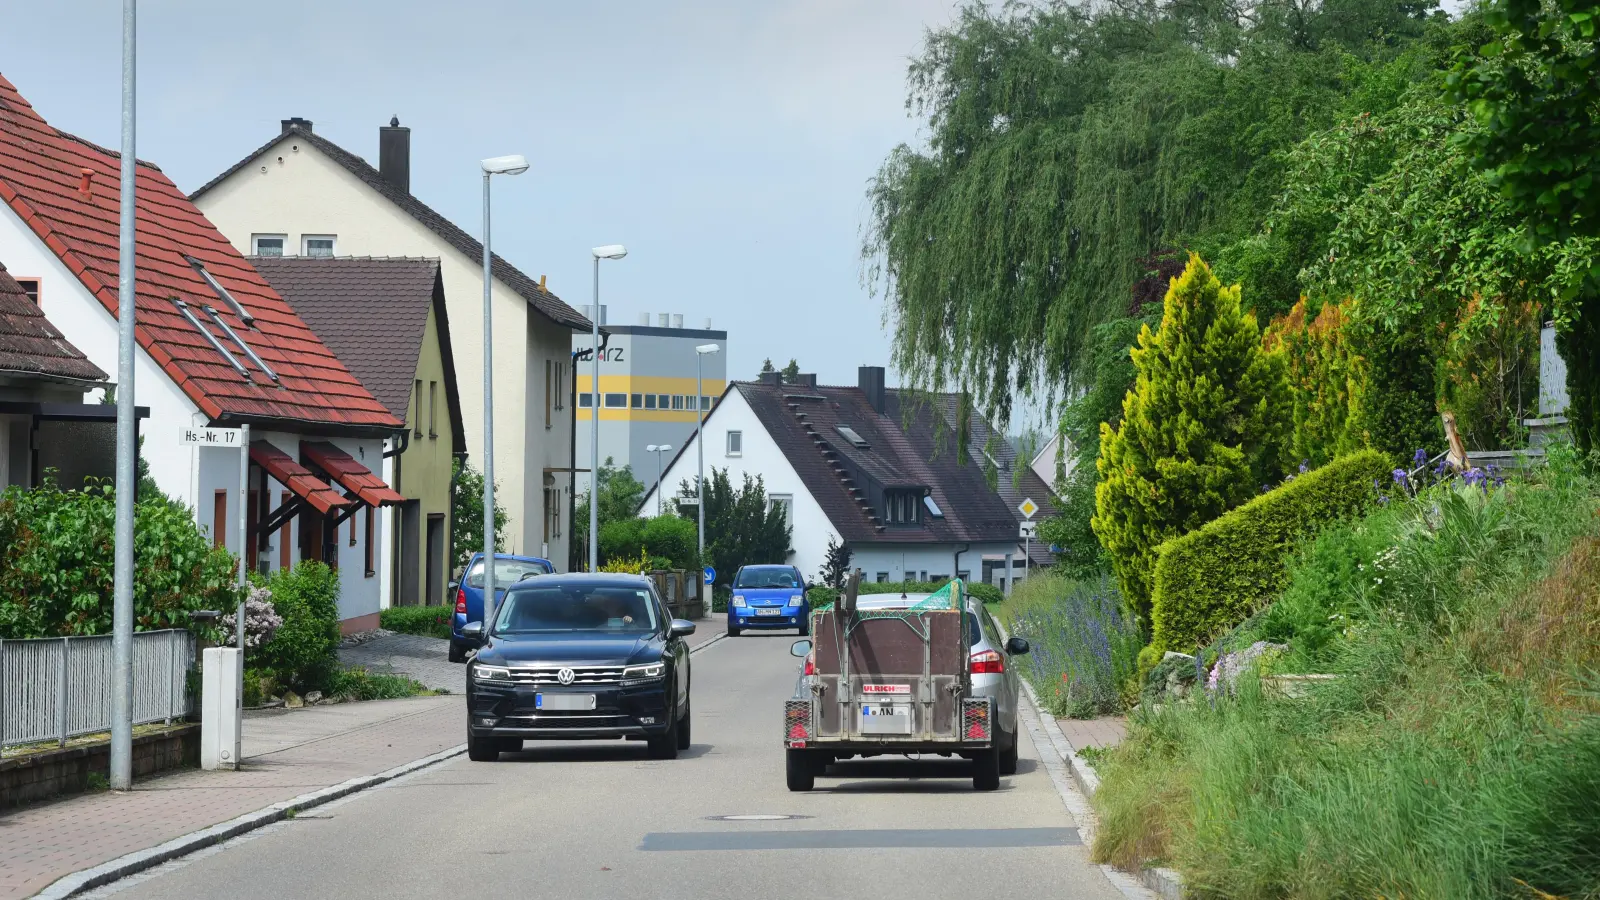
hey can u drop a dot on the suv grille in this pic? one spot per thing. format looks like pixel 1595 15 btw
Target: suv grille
pixel 580 675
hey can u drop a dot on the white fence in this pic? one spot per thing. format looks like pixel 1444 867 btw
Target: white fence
pixel 52 689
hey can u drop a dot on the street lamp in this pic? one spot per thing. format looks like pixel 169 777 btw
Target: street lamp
pixel 496 165
pixel 609 251
pixel 700 354
pixel 658 449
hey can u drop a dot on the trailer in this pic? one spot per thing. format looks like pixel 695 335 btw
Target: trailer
pixel 892 679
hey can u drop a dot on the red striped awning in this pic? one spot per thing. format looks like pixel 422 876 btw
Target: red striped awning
pixel 353 476
pixel 297 478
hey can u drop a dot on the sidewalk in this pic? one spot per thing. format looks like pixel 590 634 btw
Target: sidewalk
pixel 286 754
pixel 1100 734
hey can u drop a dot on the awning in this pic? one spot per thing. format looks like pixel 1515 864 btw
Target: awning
pixel 352 475
pixel 297 478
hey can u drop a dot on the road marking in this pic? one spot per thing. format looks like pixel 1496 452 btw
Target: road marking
pixel 871 839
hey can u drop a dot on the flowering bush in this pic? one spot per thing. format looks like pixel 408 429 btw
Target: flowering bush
pixel 1225 674
pixel 261 620
pixel 1085 643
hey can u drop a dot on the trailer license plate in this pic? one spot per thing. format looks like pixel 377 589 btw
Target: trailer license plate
pixel 768 612
pixel 564 702
pixel 885 719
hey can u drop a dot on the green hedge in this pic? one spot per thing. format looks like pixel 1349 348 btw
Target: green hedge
pixel 304 653
pixel 429 621
pixel 1214 577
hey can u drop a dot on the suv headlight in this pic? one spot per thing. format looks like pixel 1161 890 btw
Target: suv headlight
pixel 738 600
pixel 634 675
pixel 491 673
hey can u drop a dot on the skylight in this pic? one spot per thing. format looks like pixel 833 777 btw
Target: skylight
pixel 933 508
pixel 851 436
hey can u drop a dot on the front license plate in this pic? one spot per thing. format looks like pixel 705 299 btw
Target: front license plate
pixel 768 612
pixel 563 702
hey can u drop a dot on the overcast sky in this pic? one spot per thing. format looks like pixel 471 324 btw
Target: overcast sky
pixel 727 143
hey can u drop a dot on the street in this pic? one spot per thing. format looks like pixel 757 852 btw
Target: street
pixel 600 820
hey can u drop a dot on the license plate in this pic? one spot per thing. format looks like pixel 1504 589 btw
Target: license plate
pixel 885 719
pixel 564 702
pixel 768 612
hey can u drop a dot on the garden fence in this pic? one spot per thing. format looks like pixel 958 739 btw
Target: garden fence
pixel 54 689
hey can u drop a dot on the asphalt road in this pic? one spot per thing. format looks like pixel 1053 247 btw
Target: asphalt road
pixel 601 820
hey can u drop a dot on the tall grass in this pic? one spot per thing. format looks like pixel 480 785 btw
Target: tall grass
pixel 1085 643
pixel 1458 753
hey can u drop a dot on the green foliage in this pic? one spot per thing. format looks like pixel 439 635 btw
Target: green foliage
pixel 304 653
pixel 1216 576
pixel 742 529
pixel 1326 379
pixel 430 621
pixel 791 372
pixel 835 564
pixel 665 541
pixel 1085 642
pixel 56 563
pixel 1490 379
pixel 356 683
pixel 1399 413
pixel 1202 428
pixel 466 514
pixel 986 592
pixel 620 495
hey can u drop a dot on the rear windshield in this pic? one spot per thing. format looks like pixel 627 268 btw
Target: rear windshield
pixel 614 610
pixel 506 572
pixel 761 577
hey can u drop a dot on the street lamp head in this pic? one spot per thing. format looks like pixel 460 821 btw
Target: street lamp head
pixel 610 251
pixel 651 448
pixel 705 349
pixel 514 164
pixel 664 448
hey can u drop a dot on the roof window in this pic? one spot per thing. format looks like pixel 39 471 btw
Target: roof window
pixel 851 436
pixel 933 508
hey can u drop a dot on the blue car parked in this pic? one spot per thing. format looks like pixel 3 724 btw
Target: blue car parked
pixel 508 570
pixel 768 597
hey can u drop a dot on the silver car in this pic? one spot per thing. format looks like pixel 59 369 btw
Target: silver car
pixel 991 667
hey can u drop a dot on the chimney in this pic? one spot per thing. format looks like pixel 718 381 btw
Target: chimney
pixel 644 319
pixel 677 320
pixel 296 124
pixel 870 380
pixel 773 378
pixel 708 323
pixel 807 380
pixel 394 154
pixel 663 320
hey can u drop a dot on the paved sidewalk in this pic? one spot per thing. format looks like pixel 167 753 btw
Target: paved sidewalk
pixel 1102 733
pixel 286 754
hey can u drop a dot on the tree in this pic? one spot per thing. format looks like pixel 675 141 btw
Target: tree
pixel 1327 378
pixel 466 515
pixel 791 372
pixel 766 366
pixel 620 495
pixel 742 529
pixel 835 564
pixel 1202 430
pixel 667 541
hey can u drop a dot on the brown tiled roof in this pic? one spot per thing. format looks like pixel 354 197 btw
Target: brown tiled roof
pixel 31 345
pixel 546 303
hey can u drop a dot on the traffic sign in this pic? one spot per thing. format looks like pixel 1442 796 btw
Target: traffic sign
pixel 1028 508
pixel 711 574
pixel 1028 528
pixel 211 437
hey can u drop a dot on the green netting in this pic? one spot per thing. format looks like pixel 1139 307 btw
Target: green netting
pixel 949 597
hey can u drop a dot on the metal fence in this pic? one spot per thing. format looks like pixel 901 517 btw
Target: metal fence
pixel 53 689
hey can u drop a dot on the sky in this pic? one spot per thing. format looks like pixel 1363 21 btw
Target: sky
pixel 728 143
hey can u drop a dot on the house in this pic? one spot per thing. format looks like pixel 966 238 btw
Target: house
pixel 386 319
pixel 45 427
pixel 300 193
pixel 874 467
pixel 216 347
pixel 1052 463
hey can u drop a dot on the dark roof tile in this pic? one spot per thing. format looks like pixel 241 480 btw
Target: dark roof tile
pixel 31 345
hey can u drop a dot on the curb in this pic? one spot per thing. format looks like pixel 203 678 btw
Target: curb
pixel 139 861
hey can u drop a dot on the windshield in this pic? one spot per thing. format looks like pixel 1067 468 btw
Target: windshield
pixel 766 577
pixel 506 572
pixel 611 610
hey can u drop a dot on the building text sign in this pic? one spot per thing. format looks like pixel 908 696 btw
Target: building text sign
pixel 211 437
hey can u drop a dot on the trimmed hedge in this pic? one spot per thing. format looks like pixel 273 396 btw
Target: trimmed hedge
pixel 1216 576
pixel 429 621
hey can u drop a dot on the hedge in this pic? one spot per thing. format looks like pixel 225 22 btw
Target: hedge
pixel 429 621
pixel 304 653
pixel 1214 577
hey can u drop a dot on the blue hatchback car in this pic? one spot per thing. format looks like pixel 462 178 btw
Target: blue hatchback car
pixel 508 570
pixel 768 597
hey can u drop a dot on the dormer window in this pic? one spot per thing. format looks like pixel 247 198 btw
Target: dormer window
pixel 901 507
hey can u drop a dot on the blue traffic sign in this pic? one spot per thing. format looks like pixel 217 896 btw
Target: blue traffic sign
pixel 711 575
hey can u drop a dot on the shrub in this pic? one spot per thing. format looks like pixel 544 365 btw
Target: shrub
pixel 1085 643
pixel 666 542
pixel 429 621
pixel 304 653
pixel 357 683
pixel 986 592
pixel 1214 577
pixel 261 619
pixel 1201 430
pixel 1326 381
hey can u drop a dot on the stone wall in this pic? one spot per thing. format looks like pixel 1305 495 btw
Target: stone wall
pixel 37 776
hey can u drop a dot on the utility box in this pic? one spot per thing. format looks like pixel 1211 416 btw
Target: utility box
pixel 221 693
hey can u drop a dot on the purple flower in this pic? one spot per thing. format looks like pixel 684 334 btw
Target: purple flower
pixel 1475 477
pixel 1420 458
pixel 1383 499
pixel 1400 478
pixel 1305 466
pixel 1444 464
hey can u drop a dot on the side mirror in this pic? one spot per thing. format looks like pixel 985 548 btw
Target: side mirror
pixel 682 628
pixel 453 587
pixel 1017 646
pixel 473 633
pixel 800 649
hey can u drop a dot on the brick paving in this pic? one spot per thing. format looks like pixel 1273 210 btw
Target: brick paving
pixel 286 755
pixel 1102 733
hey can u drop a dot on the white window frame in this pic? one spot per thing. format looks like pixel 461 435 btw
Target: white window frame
pixel 732 438
pixel 255 243
pixel 787 502
pixel 607 397
pixel 306 239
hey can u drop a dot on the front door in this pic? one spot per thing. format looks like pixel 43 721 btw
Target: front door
pixel 435 565
pixel 410 552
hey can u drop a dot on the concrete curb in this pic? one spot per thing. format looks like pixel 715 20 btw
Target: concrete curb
pixel 139 861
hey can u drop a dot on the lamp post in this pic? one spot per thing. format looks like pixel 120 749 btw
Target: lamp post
pixel 658 449
pixel 609 251
pixel 700 354
pixel 121 753
pixel 496 165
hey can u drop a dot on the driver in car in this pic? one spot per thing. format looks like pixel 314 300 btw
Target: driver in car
pixel 617 611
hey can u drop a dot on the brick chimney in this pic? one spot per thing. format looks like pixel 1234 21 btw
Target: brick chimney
pixel 394 155
pixel 870 380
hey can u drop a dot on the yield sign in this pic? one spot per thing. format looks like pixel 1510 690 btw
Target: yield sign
pixel 1028 508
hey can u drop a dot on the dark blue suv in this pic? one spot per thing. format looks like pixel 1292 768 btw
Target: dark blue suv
pixel 768 597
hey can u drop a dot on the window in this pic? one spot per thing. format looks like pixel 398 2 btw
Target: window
pixel 784 502
pixel 416 417
pixel 561 386
pixel 316 245
pixel 649 401
pixel 433 409
pixel 851 436
pixel 267 244
pixel 932 507
pixel 735 443
pixel 901 507
pixel 616 401
pixel 30 286
pixel 705 403
pixel 549 392
pixel 677 401
pixel 372 543
pixel 663 401
pixel 585 401
pixel 882 577
pixel 552 513
pixel 219 519
pixel 638 401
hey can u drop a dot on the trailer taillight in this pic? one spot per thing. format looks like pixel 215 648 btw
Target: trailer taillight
pixel 987 662
pixel 811 664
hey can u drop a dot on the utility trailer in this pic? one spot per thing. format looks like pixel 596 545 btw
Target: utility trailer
pixel 892 679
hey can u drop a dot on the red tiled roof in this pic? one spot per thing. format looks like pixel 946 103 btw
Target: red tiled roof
pixel 42 173
pixel 352 475
pixel 297 478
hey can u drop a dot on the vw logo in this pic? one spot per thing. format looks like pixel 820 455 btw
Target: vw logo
pixel 565 676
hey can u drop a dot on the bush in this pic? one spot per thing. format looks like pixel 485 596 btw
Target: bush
pixel 666 542
pixel 1216 576
pixel 261 619
pixel 429 621
pixel 1085 643
pixel 304 654
pixel 986 592
pixel 1326 381
pixel 357 683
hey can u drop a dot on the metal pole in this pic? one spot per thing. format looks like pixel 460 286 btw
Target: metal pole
pixel 61 691
pixel 244 538
pixel 700 448
pixel 658 484
pixel 594 432
pixel 127 441
pixel 488 423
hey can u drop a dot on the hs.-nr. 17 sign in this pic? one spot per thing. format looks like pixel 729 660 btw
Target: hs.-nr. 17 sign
pixel 210 437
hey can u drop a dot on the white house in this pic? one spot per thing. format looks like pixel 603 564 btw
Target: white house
pixel 874 467
pixel 216 346
pixel 300 193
